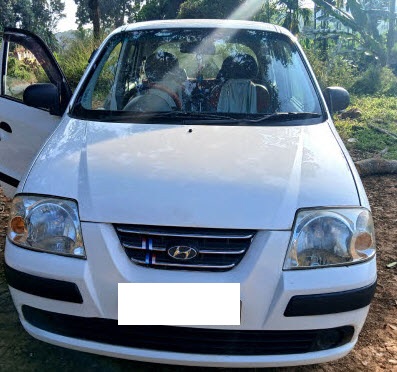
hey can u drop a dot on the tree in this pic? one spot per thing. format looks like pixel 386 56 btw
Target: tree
pixel 268 12
pixel 8 13
pixel 45 17
pixel 220 9
pixel 293 15
pixel 158 9
pixel 88 11
pixel 362 18
pixel 105 14
pixel 95 17
pixel 391 31
pixel 38 16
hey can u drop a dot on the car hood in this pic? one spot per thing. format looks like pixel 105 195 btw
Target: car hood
pixel 202 175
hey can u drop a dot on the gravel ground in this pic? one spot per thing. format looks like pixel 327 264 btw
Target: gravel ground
pixel 375 351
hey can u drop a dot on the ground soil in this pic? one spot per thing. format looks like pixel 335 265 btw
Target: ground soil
pixel 376 349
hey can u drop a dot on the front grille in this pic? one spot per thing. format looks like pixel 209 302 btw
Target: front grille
pixel 213 249
pixel 189 340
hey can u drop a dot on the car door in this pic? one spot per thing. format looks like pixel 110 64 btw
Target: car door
pixel 26 61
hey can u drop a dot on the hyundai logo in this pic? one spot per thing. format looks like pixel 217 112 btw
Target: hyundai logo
pixel 182 252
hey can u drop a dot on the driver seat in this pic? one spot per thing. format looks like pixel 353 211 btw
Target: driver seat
pixel 164 78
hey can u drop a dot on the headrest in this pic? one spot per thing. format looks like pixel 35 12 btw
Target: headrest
pixel 238 66
pixel 160 64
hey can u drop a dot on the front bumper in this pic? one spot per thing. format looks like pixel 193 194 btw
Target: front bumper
pixel 266 291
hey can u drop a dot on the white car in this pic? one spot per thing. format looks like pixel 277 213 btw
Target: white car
pixel 192 151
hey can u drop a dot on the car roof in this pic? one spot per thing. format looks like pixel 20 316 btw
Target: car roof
pixel 204 23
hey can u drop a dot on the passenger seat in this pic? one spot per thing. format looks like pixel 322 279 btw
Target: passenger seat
pixel 239 94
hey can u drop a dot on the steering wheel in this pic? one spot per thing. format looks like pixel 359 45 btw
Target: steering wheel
pixel 172 94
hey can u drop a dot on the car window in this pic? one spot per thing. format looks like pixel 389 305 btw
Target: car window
pixel 199 71
pixel 23 70
pixel 105 86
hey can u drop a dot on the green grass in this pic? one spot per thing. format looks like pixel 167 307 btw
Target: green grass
pixel 378 111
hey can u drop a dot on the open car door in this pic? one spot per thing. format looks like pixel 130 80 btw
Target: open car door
pixel 33 96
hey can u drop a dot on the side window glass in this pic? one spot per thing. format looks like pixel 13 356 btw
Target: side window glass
pixel 105 94
pixel 23 70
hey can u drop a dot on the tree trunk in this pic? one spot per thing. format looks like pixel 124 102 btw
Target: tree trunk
pixel 95 14
pixel 390 33
pixel 376 166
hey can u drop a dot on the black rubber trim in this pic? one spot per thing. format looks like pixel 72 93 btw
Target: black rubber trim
pixel 8 179
pixel 330 303
pixel 43 287
pixel 189 340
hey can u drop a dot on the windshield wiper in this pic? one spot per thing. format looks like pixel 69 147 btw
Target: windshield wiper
pixel 239 120
pixel 158 117
pixel 178 116
pixel 283 116
pixel 202 117
pixel 189 116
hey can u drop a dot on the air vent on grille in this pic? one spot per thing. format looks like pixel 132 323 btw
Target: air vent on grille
pixel 184 248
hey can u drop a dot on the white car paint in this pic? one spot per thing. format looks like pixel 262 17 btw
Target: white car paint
pixel 164 175
pixel 19 148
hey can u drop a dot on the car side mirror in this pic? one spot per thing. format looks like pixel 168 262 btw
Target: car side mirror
pixel 44 96
pixel 337 99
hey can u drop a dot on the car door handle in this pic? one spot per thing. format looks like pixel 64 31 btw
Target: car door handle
pixel 6 127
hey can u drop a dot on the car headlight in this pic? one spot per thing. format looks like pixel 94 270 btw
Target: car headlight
pixel 331 237
pixel 46 224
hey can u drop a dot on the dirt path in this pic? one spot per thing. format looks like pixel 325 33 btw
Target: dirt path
pixel 375 351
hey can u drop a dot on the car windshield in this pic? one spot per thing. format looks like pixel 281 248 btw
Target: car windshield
pixel 198 74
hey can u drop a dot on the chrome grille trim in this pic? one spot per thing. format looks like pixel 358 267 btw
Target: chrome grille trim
pixel 184 235
pixel 184 266
pixel 203 251
pixel 216 249
pixel 131 246
pixel 206 251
